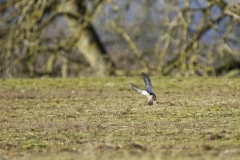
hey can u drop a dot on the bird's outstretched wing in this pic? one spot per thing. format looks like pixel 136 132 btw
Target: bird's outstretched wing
pixel 147 82
pixel 135 88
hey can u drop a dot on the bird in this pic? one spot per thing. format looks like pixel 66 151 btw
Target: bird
pixel 151 97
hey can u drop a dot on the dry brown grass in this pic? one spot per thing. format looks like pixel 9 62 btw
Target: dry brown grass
pixel 195 118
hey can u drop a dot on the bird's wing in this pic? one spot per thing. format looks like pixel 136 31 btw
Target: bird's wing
pixel 135 88
pixel 147 82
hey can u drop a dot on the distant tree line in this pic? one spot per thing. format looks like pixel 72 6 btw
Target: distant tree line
pixel 71 38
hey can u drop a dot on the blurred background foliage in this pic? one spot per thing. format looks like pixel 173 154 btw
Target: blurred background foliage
pixel 72 38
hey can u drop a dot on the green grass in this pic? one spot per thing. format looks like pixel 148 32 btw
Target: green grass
pixel 88 118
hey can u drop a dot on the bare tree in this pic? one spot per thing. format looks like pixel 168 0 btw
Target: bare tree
pixel 25 40
pixel 179 38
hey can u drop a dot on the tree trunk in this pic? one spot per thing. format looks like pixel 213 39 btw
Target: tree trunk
pixel 87 41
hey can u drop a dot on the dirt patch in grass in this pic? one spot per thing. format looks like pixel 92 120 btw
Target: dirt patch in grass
pixel 88 118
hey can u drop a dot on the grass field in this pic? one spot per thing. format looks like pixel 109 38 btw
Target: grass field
pixel 88 118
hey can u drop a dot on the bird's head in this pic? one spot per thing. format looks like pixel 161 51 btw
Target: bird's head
pixel 154 96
